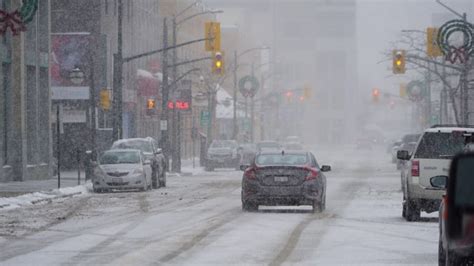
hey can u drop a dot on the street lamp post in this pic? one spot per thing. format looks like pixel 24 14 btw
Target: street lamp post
pixel 236 57
pixel 176 121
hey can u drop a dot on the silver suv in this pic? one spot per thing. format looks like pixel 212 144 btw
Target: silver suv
pixel 432 156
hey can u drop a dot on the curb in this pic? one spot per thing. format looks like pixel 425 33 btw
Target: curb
pixel 48 200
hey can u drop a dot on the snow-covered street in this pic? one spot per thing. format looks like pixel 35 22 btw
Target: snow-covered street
pixel 198 220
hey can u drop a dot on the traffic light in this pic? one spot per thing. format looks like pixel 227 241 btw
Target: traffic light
pixel 307 92
pixel 212 32
pixel 289 96
pixel 375 95
pixel 105 99
pixel 403 90
pixel 218 63
pixel 432 48
pixel 398 62
pixel 150 106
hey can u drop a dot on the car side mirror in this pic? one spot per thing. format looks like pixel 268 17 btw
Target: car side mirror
pixel 440 182
pixel 159 151
pixel 147 162
pixel 325 168
pixel 244 167
pixel 403 155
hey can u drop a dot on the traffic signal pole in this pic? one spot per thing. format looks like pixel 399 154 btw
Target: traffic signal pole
pixel 175 166
pixel 165 95
pixel 252 110
pixel 117 78
pixel 234 118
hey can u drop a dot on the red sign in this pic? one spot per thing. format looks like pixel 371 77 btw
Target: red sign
pixel 180 105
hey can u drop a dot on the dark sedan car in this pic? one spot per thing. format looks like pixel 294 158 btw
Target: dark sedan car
pixel 284 178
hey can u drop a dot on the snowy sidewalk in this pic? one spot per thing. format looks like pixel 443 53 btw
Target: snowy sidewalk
pixel 16 188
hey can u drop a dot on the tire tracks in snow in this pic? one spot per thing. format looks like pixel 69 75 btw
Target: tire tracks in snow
pixel 229 216
pixel 349 192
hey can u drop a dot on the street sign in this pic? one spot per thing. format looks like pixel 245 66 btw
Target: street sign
pixel 248 86
pixel 164 125
pixel 205 117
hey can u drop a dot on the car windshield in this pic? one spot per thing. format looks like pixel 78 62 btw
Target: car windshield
pixel 281 159
pixel 142 145
pixel 223 144
pixel 122 157
pixel 436 145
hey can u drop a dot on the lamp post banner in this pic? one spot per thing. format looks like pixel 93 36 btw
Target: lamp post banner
pixel 69 54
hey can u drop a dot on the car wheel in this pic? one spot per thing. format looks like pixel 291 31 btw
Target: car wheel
pixel 154 179
pixel 404 209
pixel 441 254
pixel 145 185
pixel 317 206
pixel 451 259
pixel 163 179
pixel 249 206
pixel 412 211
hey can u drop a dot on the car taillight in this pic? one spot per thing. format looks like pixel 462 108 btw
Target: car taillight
pixel 250 173
pixel 445 208
pixel 415 168
pixel 312 174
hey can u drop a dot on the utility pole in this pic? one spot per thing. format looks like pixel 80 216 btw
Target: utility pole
pixel 252 109
pixel 234 120
pixel 165 94
pixel 117 78
pixel 210 104
pixel 428 97
pixel 174 122
pixel 464 88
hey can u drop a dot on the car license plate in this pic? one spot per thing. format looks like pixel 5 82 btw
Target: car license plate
pixel 281 179
pixel 117 180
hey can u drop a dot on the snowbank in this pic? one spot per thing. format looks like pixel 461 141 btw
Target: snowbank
pixel 43 197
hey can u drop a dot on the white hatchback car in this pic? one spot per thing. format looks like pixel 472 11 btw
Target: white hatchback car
pixel 431 157
pixel 122 169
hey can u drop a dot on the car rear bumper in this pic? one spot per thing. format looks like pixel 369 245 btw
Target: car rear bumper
pixel 304 194
pixel 417 191
pixel 223 163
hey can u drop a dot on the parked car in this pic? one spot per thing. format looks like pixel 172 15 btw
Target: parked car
pixel 456 213
pixel 122 169
pixel 268 145
pixel 247 152
pixel 152 152
pixel 223 154
pixel 284 178
pixel 432 157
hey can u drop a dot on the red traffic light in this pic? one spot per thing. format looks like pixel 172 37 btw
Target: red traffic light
pixel 289 94
pixel 375 92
